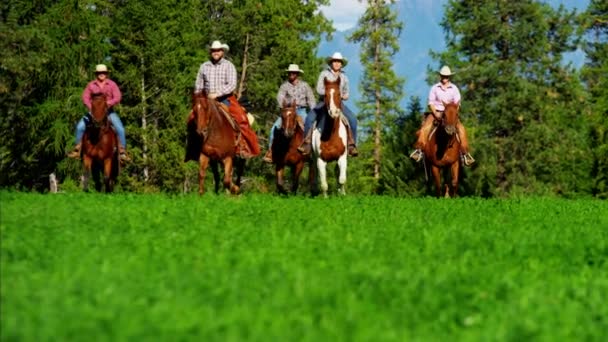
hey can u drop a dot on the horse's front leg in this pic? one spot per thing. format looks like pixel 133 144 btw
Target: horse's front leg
pixel 342 165
pixel 280 171
pixel 455 174
pixel 437 179
pixel 296 171
pixel 228 185
pixel 321 169
pixel 216 175
pixel 87 163
pixel 240 168
pixel 107 174
pixel 203 162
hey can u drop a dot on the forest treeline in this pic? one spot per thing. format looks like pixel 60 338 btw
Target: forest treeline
pixel 537 124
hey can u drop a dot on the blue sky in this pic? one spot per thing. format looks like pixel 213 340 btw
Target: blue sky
pixel 421 33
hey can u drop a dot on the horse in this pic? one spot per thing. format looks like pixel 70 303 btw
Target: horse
pixel 442 150
pixel 100 147
pixel 216 137
pixel 285 149
pixel 329 139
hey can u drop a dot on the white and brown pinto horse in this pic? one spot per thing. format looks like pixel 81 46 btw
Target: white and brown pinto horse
pixel 329 139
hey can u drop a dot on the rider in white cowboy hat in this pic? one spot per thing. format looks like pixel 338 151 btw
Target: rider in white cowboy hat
pixel 217 78
pixel 292 89
pixel 440 93
pixel 334 71
pixel 102 84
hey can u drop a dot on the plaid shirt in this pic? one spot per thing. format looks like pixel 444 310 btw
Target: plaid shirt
pixel 332 77
pixel 218 78
pixel 300 91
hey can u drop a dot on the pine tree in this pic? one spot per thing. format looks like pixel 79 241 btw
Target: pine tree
pixel 378 32
pixel 595 75
pixel 520 102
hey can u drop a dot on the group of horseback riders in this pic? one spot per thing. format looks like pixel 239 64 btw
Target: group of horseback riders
pixel 218 78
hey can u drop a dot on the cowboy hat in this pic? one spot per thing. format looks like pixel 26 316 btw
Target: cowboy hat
pixel 337 57
pixel 99 68
pixel 445 71
pixel 294 68
pixel 216 45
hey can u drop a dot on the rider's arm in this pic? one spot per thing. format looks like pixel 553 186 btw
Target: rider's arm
pixel 230 86
pixel 199 84
pixel 281 95
pixel 86 95
pixel 116 95
pixel 344 88
pixel 321 84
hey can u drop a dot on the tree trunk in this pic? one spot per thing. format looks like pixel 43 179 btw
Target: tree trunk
pixel 144 121
pixel 377 114
pixel 244 65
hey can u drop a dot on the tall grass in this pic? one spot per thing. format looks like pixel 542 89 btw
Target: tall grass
pixel 256 267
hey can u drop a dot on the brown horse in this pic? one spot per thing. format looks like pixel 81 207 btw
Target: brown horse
pixel 216 136
pixel 285 148
pixel 100 147
pixel 442 150
pixel 330 137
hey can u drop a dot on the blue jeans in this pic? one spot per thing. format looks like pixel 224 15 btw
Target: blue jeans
pixel 302 112
pixel 120 129
pixel 350 116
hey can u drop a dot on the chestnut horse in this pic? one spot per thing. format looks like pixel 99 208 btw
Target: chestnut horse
pixel 285 148
pixel 330 136
pixel 216 139
pixel 100 147
pixel 442 150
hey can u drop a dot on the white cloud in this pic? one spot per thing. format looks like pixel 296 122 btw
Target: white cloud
pixel 344 13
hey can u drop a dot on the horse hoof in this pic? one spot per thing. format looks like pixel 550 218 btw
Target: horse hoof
pixel 234 189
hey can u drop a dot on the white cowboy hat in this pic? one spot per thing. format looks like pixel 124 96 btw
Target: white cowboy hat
pixel 445 71
pixel 337 57
pixel 101 68
pixel 294 68
pixel 217 45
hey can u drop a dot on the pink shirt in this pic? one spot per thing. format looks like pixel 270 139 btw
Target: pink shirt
pixel 438 95
pixel 108 88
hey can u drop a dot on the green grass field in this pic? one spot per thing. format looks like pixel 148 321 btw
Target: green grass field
pixel 266 268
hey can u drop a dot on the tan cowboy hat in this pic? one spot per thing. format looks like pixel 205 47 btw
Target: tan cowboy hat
pixel 337 57
pixel 217 45
pixel 294 68
pixel 445 71
pixel 99 68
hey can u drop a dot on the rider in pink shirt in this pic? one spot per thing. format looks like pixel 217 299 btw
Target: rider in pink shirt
pixel 102 84
pixel 440 93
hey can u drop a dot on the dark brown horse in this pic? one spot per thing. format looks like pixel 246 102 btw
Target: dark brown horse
pixel 442 151
pixel 329 144
pixel 100 147
pixel 285 148
pixel 216 137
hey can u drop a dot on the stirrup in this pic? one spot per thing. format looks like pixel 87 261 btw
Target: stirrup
pixel 417 155
pixel 268 157
pixel 75 152
pixel 467 159
pixel 352 150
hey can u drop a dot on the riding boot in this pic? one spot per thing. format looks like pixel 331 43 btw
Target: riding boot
pixel 122 154
pixel 306 145
pixel 268 157
pixel 75 153
pixel 352 147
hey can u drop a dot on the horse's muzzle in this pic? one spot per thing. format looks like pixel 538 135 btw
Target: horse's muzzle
pixel 450 129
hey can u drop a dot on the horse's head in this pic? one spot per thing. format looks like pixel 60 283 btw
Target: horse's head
pixel 201 109
pixel 99 107
pixel 450 117
pixel 289 119
pixel 333 98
